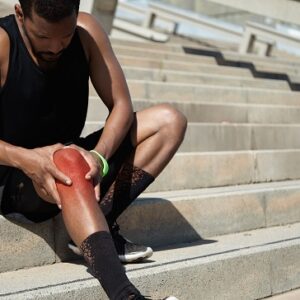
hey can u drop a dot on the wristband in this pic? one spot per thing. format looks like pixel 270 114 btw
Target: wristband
pixel 105 167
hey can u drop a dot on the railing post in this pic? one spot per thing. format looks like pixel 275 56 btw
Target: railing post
pixel 247 42
pixel 149 19
pixel 175 28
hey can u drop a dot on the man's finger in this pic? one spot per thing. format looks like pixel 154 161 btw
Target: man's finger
pixel 60 176
pixel 93 172
pixel 97 192
pixel 54 194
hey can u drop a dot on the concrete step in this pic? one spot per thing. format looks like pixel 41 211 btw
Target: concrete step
pixel 25 245
pixel 183 216
pixel 161 54
pixel 194 170
pixel 199 59
pixel 231 137
pixel 214 112
pixel 260 263
pixel 195 42
pixel 228 55
pixel 279 60
pixel 202 78
pixel 208 93
pixel 168 218
pixel 236 137
pixel 130 61
pixel 169 46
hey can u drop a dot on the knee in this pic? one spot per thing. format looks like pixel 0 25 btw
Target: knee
pixel 174 121
pixel 70 162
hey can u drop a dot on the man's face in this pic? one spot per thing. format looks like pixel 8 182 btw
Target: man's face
pixel 49 40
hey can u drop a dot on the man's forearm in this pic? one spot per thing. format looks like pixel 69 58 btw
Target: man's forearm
pixel 116 128
pixel 11 155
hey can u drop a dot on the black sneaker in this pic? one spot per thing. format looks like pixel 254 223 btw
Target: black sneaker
pixel 127 251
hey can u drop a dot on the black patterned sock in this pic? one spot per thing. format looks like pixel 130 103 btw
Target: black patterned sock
pixel 129 184
pixel 100 254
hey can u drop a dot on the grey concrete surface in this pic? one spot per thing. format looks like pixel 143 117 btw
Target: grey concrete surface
pixel 25 245
pixel 211 112
pixel 231 137
pixel 177 47
pixel 168 218
pixel 199 59
pixel 210 169
pixel 202 78
pixel 184 216
pixel 196 92
pixel 182 66
pixel 202 268
pixel 171 47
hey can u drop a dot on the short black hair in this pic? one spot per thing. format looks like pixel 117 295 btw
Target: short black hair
pixel 51 10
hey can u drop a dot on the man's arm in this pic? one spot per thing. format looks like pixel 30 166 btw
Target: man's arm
pixel 4 56
pixel 9 154
pixel 109 81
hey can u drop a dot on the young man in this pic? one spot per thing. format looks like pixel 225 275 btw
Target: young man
pixel 48 53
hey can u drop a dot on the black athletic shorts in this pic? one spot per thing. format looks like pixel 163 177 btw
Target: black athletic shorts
pixel 18 193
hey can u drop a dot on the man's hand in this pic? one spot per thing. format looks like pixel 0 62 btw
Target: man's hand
pixel 39 166
pixel 95 169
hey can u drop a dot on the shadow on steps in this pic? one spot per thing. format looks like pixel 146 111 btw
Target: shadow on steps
pixel 294 86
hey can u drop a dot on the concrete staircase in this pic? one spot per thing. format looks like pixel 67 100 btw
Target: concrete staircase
pixel 224 216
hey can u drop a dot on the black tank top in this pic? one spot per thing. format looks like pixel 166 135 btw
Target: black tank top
pixel 40 108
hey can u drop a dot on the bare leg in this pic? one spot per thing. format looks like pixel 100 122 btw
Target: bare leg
pixel 156 135
pixel 87 226
pixel 80 209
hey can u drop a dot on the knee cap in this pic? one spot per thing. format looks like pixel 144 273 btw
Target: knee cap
pixel 70 161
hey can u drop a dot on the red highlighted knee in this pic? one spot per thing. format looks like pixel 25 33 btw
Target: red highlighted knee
pixel 70 162
pixel 73 164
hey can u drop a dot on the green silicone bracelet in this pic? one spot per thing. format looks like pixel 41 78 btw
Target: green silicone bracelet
pixel 104 162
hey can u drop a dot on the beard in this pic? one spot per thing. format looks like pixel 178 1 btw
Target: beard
pixel 44 56
pixel 48 56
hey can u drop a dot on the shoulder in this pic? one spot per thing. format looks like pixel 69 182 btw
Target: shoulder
pixel 91 33
pixel 90 24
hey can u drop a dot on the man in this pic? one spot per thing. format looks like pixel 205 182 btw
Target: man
pixel 48 53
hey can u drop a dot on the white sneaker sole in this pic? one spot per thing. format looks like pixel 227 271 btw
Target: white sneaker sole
pixel 135 257
pixel 127 258
pixel 75 249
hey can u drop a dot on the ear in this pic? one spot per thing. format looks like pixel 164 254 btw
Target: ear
pixel 19 13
